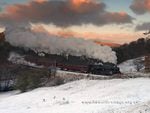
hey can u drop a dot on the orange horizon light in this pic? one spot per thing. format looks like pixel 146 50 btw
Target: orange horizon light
pixel 79 2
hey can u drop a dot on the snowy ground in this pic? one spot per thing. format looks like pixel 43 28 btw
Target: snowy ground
pixel 83 96
pixel 8 94
pixel 131 66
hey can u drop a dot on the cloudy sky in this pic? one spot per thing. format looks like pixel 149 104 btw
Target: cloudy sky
pixel 116 21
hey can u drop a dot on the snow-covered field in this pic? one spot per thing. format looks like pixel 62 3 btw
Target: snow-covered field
pixel 83 96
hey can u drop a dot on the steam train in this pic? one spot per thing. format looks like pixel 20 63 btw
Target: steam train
pixel 99 69
pixel 75 64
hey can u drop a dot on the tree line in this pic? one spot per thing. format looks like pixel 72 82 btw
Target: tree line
pixel 134 49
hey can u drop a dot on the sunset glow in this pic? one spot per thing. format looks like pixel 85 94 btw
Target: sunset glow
pixel 97 34
pixel 79 2
pixel 148 4
pixel 40 1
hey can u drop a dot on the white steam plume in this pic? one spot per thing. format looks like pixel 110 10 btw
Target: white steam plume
pixel 18 59
pixel 43 42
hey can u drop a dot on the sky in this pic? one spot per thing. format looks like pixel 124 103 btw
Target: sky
pixel 117 21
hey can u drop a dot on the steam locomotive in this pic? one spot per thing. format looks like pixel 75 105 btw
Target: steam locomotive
pixel 104 69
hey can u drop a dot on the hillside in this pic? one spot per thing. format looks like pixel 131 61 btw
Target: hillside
pixel 134 49
pixel 132 65
pixel 83 96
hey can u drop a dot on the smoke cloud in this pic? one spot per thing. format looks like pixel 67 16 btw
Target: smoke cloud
pixel 62 13
pixel 43 42
pixel 140 6
pixel 18 59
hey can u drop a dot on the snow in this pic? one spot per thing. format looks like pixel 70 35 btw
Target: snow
pixel 127 66
pixel 130 66
pixel 62 73
pixel 83 96
pixel 8 94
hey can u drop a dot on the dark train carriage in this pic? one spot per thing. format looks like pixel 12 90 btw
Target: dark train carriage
pixel 75 68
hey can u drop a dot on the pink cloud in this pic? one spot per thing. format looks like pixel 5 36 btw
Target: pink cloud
pixel 63 13
pixel 140 6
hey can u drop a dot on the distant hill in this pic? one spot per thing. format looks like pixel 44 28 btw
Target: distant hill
pixel 134 49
